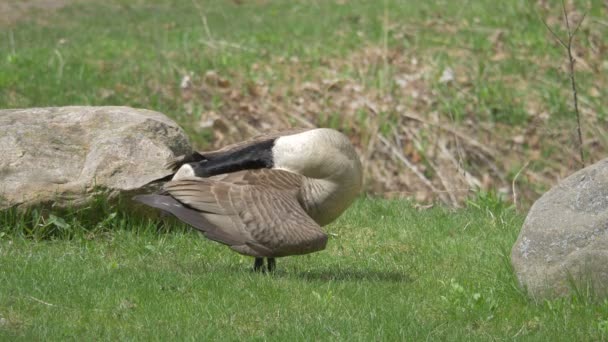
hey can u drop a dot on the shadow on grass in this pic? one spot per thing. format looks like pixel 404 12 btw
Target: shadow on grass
pixel 325 274
pixel 352 275
pixel 202 268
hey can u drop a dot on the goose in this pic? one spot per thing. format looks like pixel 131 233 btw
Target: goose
pixel 266 197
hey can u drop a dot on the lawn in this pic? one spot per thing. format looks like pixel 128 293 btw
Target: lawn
pixel 472 93
pixel 390 272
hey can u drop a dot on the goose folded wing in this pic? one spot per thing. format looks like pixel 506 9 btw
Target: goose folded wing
pixel 250 215
pixel 192 217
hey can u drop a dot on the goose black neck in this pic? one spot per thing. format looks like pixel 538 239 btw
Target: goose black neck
pixel 255 156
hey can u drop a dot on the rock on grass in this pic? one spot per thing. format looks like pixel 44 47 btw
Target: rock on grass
pixel 66 155
pixel 563 245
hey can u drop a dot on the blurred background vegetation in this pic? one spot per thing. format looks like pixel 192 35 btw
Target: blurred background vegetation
pixel 441 98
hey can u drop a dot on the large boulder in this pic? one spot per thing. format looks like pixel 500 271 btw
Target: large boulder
pixel 65 156
pixel 563 245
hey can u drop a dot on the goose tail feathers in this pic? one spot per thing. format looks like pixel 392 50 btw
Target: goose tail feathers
pixel 172 206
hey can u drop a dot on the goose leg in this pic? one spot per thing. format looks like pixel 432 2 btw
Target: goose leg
pixel 271 264
pixel 258 264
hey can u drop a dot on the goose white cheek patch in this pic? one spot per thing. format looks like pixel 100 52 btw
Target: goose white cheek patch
pixel 185 171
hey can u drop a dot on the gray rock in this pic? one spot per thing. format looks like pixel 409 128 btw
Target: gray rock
pixel 563 244
pixel 67 155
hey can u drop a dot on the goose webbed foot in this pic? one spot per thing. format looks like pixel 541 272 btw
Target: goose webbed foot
pixel 258 265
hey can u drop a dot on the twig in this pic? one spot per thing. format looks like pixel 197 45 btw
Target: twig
pixel 515 180
pixel 61 65
pixel 470 141
pixel 601 22
pixel 369 150
pixel 559 40
pixel 435 169
pixel 523 328
pixel 413 168
pixel 40 301
pixel 373 138
pixel 217 44
pixel 571 61
pixel 301 119
pixel 573 84
pixel 203 19
pixel 210 41
pixel 497 171
pixel 468 178
pixel 444 183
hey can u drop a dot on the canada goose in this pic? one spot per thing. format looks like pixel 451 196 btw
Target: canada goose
pixel 268 196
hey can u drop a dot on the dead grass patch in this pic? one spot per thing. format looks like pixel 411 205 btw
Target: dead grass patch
pixel 389 103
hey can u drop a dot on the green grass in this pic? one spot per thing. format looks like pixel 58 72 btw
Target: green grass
pixel 135 53
pixel 390 272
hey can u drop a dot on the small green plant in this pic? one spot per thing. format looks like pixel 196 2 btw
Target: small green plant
pixel 473 304
pixel 490 201
pixel 500 104
pixel 602 327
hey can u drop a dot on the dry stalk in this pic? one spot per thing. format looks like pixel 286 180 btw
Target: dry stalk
pixel 369 150
pixel 218 44
pixel 210 41
pixel 601 22
pixel 436 169
pixel 471 180
pixel 515 180
pixel 298 117
pixel 40 301
pixel 201 13
pixel 444 183
pixel 469 140
pixel 414 169
pixel 497 171
pixel 373 138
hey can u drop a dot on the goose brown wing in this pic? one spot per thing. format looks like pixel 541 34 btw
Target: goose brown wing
pixel 255 212
pixel 277 179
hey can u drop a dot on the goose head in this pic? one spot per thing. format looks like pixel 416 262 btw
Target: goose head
pixel 331 166
pixel 322 154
